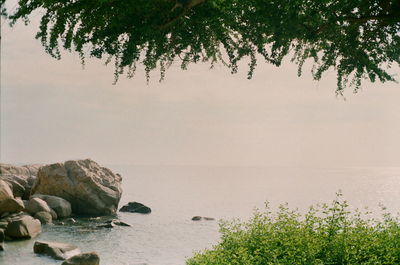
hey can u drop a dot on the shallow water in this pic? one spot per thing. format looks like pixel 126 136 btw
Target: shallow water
pixel 168 236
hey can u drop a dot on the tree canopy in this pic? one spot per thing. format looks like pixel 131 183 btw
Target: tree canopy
pixel 359 39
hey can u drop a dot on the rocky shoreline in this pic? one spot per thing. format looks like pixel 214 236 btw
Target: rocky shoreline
pixel 62 193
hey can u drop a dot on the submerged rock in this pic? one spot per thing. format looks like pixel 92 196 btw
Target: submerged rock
pixel 91 189
pixel 55 250
pixel 24 226
pixel 60 206
pixel 91 258
pixel 199 218
pixel 135 207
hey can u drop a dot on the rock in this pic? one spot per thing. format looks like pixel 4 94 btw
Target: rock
pixel 119 223
pixel 23 227
pixel 91 189
pixel 5 191
pixel 198 218
pixel 11 205
pixel 106 225
pixel 3 224
pixel 135 207
pixel 70 220
pixel 44 217
pixel 37 205
pixel 54 215
pixel 27 170
pixel 1 239
pixel 55 250
pixel 19 178
pixel 91 258
pixel 59 205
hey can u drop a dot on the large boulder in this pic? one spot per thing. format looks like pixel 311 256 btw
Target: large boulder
pixel 11 205
pixel 59 205
pixel 91 258
pixel 5 191
pixel 135 207
pixel 91 189
pixel 23 227
pixel 55 250
pixel 19 178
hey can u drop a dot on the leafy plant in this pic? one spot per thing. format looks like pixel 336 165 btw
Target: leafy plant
pixel 327 234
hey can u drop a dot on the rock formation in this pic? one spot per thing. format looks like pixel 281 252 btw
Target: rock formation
pixel 135 207
pixel 91 189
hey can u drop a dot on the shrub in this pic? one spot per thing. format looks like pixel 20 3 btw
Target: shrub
pixel 328 234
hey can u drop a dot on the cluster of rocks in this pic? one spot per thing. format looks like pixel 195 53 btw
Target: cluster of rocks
pixel 31 196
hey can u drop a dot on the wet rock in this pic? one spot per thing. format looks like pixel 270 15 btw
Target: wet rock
pixel 1 239
pixel 11 205
pixel 23 227
pixel 56 250
pixel 91 258
pixel 120 223
pixel 106 225
pixel 5 191
pixel 199 218
pixel 35 205
pixel 196 218
pixel 70 220
pixel 91 189
pixel 61 206
pixel 3 224
pixel 135 207
pixel 44 217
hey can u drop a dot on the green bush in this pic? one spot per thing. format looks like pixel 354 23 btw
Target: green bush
pixel 326 234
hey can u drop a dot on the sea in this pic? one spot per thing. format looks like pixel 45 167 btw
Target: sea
pixel 175 194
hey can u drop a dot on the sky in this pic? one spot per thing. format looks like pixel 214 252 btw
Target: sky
pixel 53 111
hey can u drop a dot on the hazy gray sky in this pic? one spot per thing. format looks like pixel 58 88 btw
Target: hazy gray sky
pixel 53 110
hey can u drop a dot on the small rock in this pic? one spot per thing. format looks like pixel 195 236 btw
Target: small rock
pixel 70 220
pixel 119 223
pixel 54 215
pixel 135 207
pixel 106 225
pixel 196 218
pixel 23 227
pixel 55 250
pixel 208 218
pixel 91 258
pixel 37 205
pixel 44 217
pixel 3 224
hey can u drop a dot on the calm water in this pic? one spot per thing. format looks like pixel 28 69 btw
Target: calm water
pixel 175 194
